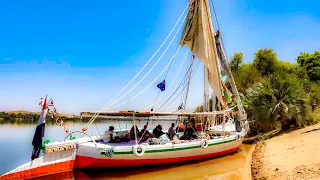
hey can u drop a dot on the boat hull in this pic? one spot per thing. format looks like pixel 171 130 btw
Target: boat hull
pixel 88 154
pixel 175 153
pixel 58 162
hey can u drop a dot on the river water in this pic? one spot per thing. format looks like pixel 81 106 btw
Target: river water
pixel 16 150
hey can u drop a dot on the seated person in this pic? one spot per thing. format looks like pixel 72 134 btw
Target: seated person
pixel 190 130
pixel 171 131
pixel 108 135
pixel 144 134
pixel 125 138
pixel 158 131
pixel 131 134
pixel 117 140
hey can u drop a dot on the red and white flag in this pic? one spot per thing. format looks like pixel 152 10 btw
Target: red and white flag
pixel 50 102
pixel 39 133
pixel 41 102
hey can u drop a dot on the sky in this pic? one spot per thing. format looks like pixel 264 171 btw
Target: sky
pixel 82 53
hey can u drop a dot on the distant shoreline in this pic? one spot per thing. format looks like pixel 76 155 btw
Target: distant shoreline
pixel 29 112
pixel 27 117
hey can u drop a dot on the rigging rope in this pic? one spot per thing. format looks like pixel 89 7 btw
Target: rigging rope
pixel 149 69
pixel 155 100
pixel 216 17
pixel 151 82
pixel 185 57
pixel 164 80
pixel 181 83
pixel 144 65
pixel 187 91
pixel 177 50
pixel 181 90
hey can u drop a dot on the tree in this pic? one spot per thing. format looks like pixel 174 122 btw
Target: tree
pixel 19 115
pixel 313 90
pixel 246 76
pixel 311 62
pixel 278 99
pixel 236 61
pixel 265 60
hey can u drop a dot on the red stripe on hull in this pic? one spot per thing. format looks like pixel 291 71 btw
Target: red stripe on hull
pixel 41 171
pixel 88 162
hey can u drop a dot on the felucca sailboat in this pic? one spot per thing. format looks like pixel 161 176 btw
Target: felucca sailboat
pixel 220 133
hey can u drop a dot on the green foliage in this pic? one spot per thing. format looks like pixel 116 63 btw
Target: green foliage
pixel 311 62
pixel 246 76
pixel 236 61
pixel 313 89
pixel 32 118
pixel 314 116
pixel 284 66
pixel 279 98
pixel 265 60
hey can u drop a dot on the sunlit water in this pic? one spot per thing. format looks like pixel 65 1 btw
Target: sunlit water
pixel 16 150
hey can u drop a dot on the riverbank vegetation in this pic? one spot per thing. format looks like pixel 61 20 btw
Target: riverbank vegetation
pixel 278 94
pixel 32 118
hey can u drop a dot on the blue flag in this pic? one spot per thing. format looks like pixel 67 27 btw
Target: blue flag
pixel 162 85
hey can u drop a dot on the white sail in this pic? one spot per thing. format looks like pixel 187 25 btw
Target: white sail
pixel 199 36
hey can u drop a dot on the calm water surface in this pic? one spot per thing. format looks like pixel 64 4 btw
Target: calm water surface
pixel 16 150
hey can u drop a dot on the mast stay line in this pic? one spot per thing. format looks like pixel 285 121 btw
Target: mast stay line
pixel 141 69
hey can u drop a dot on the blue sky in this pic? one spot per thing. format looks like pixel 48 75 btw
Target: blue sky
pixel 82 53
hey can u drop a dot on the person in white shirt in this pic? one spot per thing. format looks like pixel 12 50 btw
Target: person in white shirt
pixel 108 134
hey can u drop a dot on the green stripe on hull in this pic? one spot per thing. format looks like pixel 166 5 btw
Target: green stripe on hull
pixel 170 149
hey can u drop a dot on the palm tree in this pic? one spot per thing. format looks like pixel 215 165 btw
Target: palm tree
pixel 279 98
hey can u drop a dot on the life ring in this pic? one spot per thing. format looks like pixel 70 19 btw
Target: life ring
pixel 138 150
pixel 238 137
pixel 204 143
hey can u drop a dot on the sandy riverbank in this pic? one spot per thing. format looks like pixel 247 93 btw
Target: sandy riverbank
pixel 293 155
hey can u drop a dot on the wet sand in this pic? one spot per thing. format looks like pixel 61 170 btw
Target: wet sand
pixel 293 155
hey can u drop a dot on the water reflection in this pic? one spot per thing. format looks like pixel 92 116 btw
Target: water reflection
pixel 227 167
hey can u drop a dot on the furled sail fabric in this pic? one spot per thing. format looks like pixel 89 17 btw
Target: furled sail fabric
pixel 198 36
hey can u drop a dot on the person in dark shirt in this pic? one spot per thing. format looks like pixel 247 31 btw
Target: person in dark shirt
pixel 132 136
pixel 144 133
pixel 171 131
pixel 158 131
